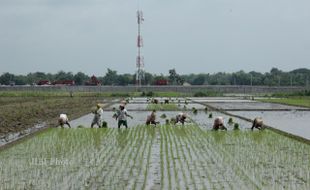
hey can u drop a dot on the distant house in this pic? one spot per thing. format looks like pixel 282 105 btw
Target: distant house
pixel 64 82
pixel 161 82
pixel 44 82
pixel 93 81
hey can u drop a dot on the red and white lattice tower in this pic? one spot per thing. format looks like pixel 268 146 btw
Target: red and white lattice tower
pixel 140 58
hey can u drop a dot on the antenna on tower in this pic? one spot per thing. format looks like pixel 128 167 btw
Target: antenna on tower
pixel 140 58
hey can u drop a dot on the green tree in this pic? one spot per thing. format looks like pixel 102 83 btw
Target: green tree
pixel 172 76
pixel 199 79
pixel 7 78
pixel 148 78
pixel 80 78
pixel 124 79
pixel 61 75
pixel 110 77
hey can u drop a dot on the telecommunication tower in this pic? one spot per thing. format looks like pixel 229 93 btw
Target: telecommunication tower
pixel 140 58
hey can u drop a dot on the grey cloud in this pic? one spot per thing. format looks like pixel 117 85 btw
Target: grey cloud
pixel 191 36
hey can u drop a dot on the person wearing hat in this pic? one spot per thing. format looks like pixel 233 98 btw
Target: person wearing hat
pixel 219 124
pixel 257 123
pixel 151 119
pixel 63 119
pixel 181 117
pixel 97 117
pixel 122 115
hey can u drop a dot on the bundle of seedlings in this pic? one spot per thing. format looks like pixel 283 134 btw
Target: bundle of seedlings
pixel 230 121
pixel 236 126
pixel 163 116
pixel 195 111
pixel 104 124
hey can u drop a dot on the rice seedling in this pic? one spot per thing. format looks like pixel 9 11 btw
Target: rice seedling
pixel 163 116
pixel 104 124
pixel 206 109
pixel 144 157
pixel 236 126
pixel 195 111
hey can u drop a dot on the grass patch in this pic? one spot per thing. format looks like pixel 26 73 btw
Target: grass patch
pixel 164 94
pixel 294 101
pixel 162 107
pixel 207 94
pixel 64 94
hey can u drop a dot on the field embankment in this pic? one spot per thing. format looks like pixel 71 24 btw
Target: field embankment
pixel 18 112
pixel 303 101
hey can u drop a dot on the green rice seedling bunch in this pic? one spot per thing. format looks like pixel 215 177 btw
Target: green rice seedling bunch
pixel 167 121
pixel 230 121
pixel 210 115
pixel 195 111
pixel 80 126
pixel 104 124
pixel 236 126
pixel 206 109
pixel 172 120
pixel 163 116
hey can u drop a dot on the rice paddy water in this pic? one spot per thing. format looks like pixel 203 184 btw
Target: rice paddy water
pixel 163 157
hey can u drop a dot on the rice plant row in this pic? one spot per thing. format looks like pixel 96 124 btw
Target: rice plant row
pixel 165 157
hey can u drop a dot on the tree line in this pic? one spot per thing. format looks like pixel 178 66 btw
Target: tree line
pixel 276 77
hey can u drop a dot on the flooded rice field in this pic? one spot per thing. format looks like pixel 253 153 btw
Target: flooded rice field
pixel 219 99
pixel 165 107
pixel 294 122
pixel 164 157
pixel 252 105
pixel 139 118
pixel 168 156
pixel 203 121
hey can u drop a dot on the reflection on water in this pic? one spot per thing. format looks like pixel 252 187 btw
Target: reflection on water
pixel 251 105
pixel 294 122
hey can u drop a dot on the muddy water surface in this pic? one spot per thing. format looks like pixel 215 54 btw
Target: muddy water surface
pixel 252 105
pixel 139 118
pixel 294 122
pixel 203 120
pixel 219 99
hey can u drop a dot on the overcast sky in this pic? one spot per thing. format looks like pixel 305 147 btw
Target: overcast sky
pixel 192 36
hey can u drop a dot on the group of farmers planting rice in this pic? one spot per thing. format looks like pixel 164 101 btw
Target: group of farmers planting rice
pixel 121 114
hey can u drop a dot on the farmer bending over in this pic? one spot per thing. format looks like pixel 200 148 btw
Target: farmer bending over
pixel 181 117
pixel 257 123
pixel 219 124
pixel 122 116
pixel 151 119
pixel 63 119
pixel 97 116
